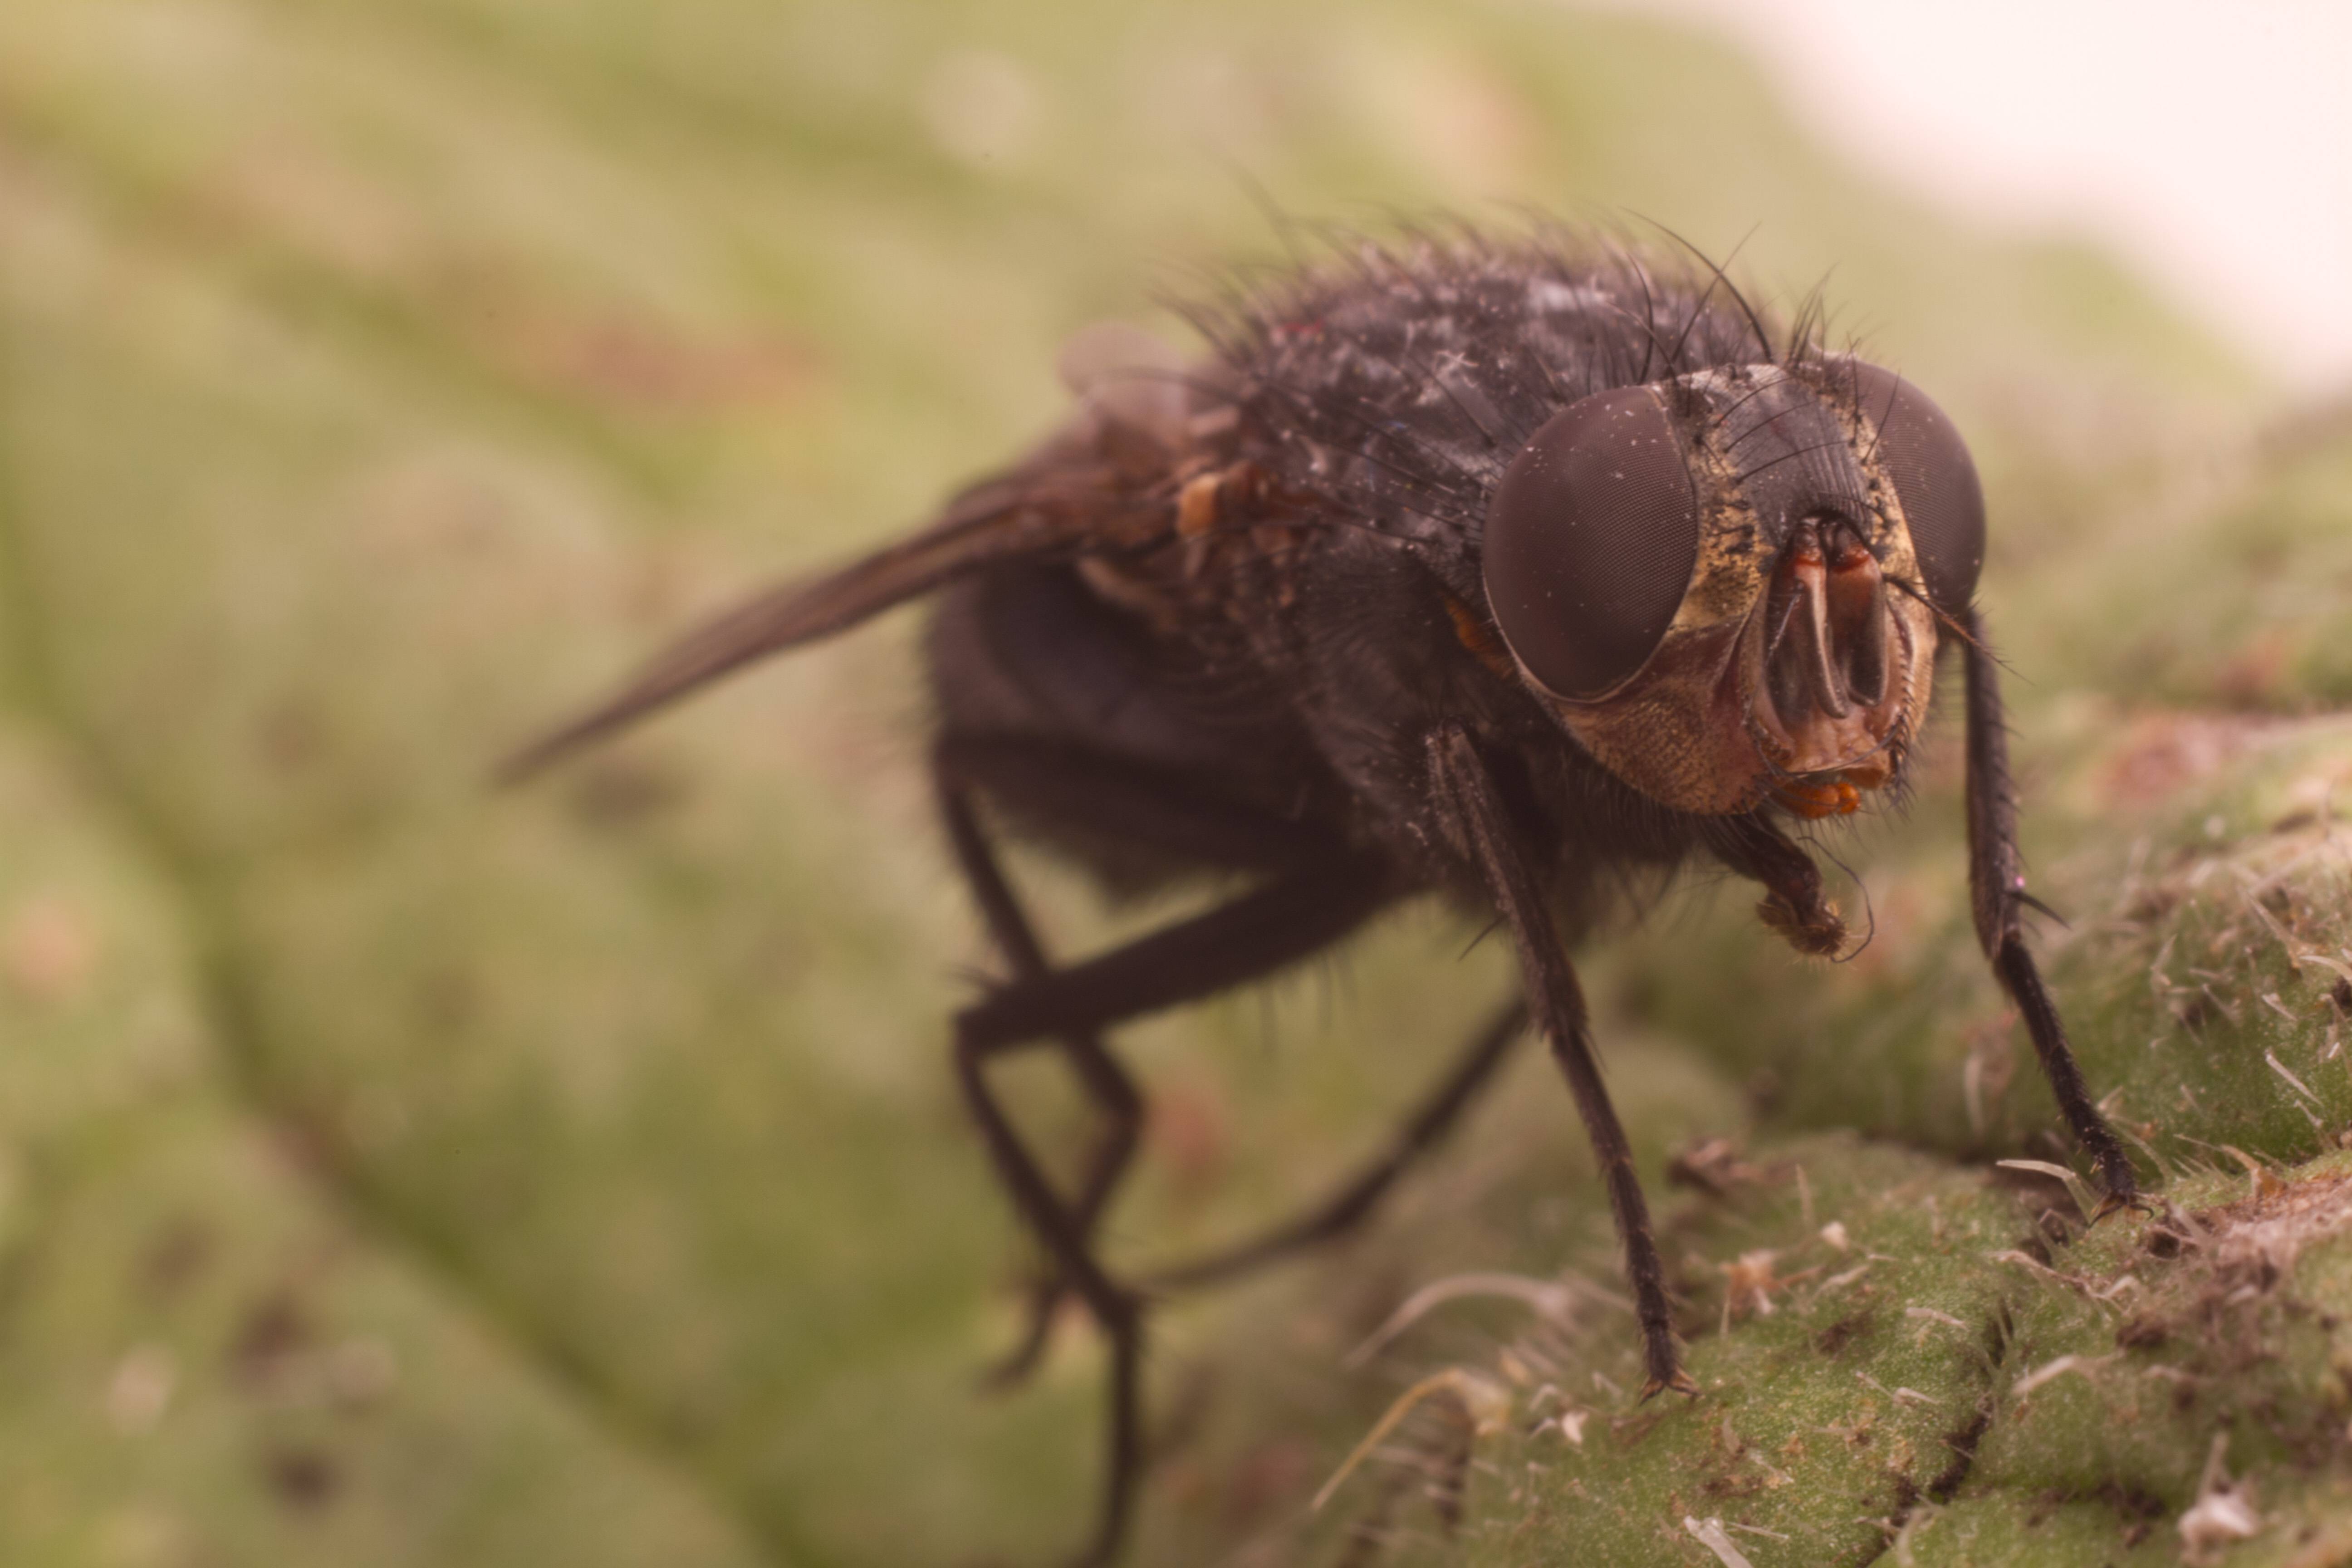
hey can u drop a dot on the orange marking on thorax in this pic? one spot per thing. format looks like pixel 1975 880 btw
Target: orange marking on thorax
pixel 1196 505
pixel 1473 634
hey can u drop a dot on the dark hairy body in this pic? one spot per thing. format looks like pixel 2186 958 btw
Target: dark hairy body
pixel 1517 573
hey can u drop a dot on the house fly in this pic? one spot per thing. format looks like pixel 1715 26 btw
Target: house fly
pixel 1510 571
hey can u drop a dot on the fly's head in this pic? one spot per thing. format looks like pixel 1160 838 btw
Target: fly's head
pixel 1726 585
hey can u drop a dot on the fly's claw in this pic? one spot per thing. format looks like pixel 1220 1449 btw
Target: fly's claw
pixel 1681 1382
pixel 2117 1201
pixel 2123 1186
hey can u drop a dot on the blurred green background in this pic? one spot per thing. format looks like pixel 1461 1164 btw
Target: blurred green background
pixel 392 1172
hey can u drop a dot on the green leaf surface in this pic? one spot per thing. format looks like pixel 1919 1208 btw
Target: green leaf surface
pixel 396 1171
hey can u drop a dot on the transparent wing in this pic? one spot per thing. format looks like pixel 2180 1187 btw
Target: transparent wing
pixel 1039 511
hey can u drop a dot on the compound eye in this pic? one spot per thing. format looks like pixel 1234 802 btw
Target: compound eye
pixel 1921 450
pixel 1590 539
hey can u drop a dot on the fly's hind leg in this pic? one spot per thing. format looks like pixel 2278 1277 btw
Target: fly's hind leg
pixel 1168 820
pixel 1354 1202
pixel 1155 812
pixel 1288 919
pixel 1106 1083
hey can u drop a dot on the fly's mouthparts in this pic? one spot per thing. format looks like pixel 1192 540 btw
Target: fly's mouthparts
pixel 1820 671
pixel 1831 794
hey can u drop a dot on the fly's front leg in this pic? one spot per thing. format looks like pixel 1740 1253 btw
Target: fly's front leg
pixel 1793 904
pixel 1474 809
pixel 1997 888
